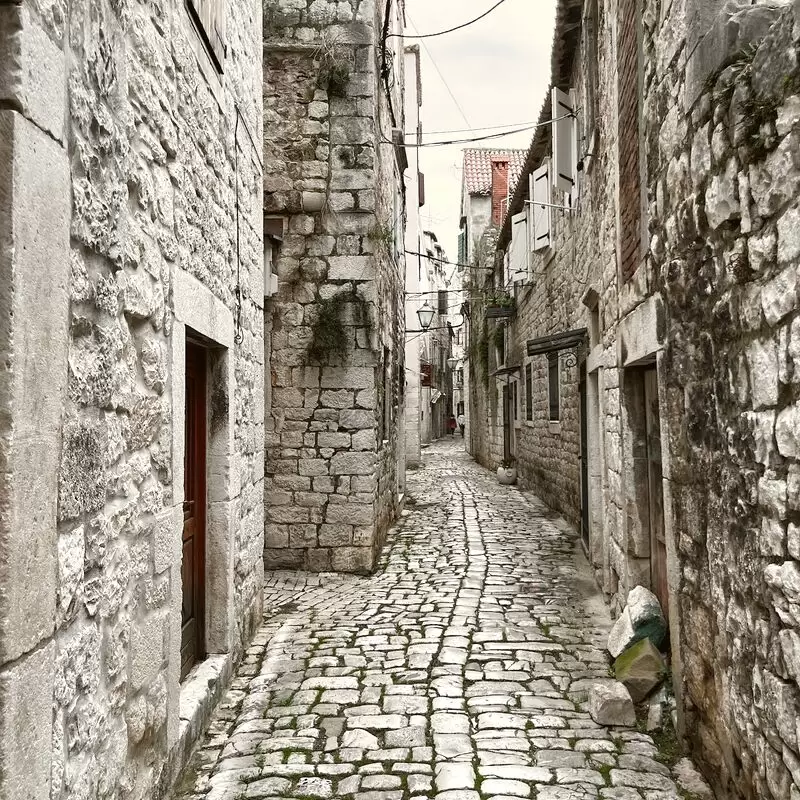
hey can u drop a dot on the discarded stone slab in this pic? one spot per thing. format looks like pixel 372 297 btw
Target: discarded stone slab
pixel 610 704
pixel 642 618
pixel 640 669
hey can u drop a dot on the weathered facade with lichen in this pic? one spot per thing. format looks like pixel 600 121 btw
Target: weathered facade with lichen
pixel 130 233
pixel 723 184
pixel 672 441
pixel 333 103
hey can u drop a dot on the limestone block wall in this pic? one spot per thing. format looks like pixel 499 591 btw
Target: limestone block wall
pixel 130 211
pixel 723 184
pixel 337 328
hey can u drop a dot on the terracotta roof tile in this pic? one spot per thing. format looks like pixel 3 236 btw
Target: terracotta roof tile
pixel 478 168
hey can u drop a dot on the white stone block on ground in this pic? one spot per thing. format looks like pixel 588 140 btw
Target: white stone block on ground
pixel 610 704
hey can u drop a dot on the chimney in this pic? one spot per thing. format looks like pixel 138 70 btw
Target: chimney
pixel 499 188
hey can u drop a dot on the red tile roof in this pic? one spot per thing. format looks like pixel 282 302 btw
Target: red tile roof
pixel 478 168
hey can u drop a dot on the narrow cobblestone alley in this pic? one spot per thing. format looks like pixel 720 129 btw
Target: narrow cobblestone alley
pixel 458 671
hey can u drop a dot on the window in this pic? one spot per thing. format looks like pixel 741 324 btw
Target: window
pixel 529 392
pixel 554 387
pixel 500 345
pixel 209 19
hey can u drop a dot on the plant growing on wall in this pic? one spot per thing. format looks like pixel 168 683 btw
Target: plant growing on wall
pixel 334 66
pixel 382 235
pixel 328 333
pixel 330 337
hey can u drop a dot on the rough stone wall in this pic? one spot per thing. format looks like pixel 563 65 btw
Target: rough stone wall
pixel 154 165
pixel 724 182
pixel 337 342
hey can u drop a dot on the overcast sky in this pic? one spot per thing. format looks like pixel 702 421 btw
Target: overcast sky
pixel 498 71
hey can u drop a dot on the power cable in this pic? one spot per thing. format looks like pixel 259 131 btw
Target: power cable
pixel 457 27
pixel 465 141
pixel 478 128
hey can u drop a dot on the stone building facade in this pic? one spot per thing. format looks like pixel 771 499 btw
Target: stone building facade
pixel 130 241
pixel 334 163
pixel 663 307
pixel 488 177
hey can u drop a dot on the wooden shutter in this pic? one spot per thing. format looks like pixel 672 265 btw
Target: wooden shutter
pixel 462 246
pixel 519 247
pixel 630 186
pixel 541 211
pixel 554 386
pixel 565 141
pixel 209 16
pixel 442 301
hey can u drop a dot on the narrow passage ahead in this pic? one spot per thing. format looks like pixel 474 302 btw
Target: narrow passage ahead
pixel 458 671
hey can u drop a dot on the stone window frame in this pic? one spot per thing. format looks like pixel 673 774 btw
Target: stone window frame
pixel 198 311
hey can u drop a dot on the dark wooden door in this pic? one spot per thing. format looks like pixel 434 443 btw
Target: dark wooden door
pixel 194 511
pixel 658 543
pixel 584 461
pixel 507 444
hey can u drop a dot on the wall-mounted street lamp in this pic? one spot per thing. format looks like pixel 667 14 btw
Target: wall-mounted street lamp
pixel 426 315
pixel 452 363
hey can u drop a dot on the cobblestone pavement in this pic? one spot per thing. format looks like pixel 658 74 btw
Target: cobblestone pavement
pixel 458 671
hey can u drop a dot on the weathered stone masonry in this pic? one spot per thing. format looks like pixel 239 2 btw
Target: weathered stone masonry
pixel 332 454
pixel 709 304
pixel 130 218
pixel 724 183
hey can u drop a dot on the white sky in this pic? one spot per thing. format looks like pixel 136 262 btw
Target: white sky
pixel 498 71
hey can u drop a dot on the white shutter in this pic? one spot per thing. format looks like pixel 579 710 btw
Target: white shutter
pixel 565 141
pixel 519 247
pixel 540 208
pixel 210 16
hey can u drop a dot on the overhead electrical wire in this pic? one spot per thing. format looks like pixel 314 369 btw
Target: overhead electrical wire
pixel 445 261
pixel 467 141
pixel 456 28
pixel 477 128
pixel 472 139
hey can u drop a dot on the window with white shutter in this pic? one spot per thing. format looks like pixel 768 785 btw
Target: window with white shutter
pixel 541 215
pixel 519 247
pixel 209 18
pixel 565 142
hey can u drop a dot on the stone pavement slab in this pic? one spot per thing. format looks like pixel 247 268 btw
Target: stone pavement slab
pixel 459 671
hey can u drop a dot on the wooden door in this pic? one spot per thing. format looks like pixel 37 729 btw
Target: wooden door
pixel 658 544
pixel 507 424
pixel 584 460
pixel 194 511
